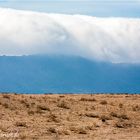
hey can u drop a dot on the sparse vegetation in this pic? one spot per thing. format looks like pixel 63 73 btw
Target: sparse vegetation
pixel 7 96
pixel 53 118
pixel 88 99
pixel 121 124
pixel 104 118
pixel 52 130
pixel 120 115
pixel 92 115
pixel 114 114
pixel 120 105
pixel 123 116
pixel 82 130
pixel 70 116
pixel 64 105
pixel 103 102
pixel 21 124
pixel 6 105
pixel 25 103
pixel 136 108
pixel 31 112
pixel 43 107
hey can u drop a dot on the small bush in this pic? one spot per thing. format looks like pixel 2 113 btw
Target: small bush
pixel 31 112
pixel 120 105
pixel 104 118
pixel 113 114
pixel 64 105
pixel 6 96
pixel 136 108
pixel 121 124
pixel 43 107
pixel 21 124
pixel 23 137
pixel 6 105
pixel 92 115
pixel 25 103
pixel 82 130
pixel 104 102
pixel 62 96
pixel 78 130
pixel 66 132
pixel 88 99
pixel 123 116
pixel 53 118
pixel 52 130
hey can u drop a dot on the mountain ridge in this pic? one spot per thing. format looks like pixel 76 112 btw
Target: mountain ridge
pixel 66 74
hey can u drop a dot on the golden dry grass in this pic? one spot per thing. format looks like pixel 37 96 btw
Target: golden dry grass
pixel 70 117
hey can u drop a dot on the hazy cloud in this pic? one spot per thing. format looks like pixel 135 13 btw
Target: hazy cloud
pixel 105 39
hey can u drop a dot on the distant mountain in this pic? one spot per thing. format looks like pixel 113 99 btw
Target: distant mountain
pixel 66 74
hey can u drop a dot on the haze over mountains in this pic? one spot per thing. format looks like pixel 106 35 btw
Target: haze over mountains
pixel 68 53
pixel 65 74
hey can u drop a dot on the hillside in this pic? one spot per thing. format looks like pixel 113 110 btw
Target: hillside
pixel 66 74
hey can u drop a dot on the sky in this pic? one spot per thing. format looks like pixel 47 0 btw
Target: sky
pixel 99 8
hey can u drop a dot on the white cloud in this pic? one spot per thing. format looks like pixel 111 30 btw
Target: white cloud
pixel 105 39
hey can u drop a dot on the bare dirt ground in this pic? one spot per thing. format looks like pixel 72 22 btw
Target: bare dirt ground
pixel 69 117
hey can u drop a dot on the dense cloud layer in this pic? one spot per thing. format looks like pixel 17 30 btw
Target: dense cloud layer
pixel 104 39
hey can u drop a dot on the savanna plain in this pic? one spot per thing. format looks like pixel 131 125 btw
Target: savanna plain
pixel 69 116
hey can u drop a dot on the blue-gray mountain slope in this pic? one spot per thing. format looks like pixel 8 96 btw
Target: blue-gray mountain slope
pixel 66 74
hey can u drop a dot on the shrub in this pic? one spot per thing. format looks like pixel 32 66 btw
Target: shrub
pixel 21 124
pixel 64 105
pixel 113 114
pixel 136 108
pixel 88 99
pixel 6 96
pixel 52 130
pixel 120 105
pixel 121 124
pixel 31 112
pixel 43 107
pixel 54 118
pixel 123 116
pixel 92 115
pixel 104 118
pixel 6 105
pixel 25 103
pixel 104 102
pixel 82 130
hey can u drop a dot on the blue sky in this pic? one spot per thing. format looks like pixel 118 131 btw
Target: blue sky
pixel 102 8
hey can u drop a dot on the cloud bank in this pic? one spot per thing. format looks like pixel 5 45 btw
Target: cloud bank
pixel 115 40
